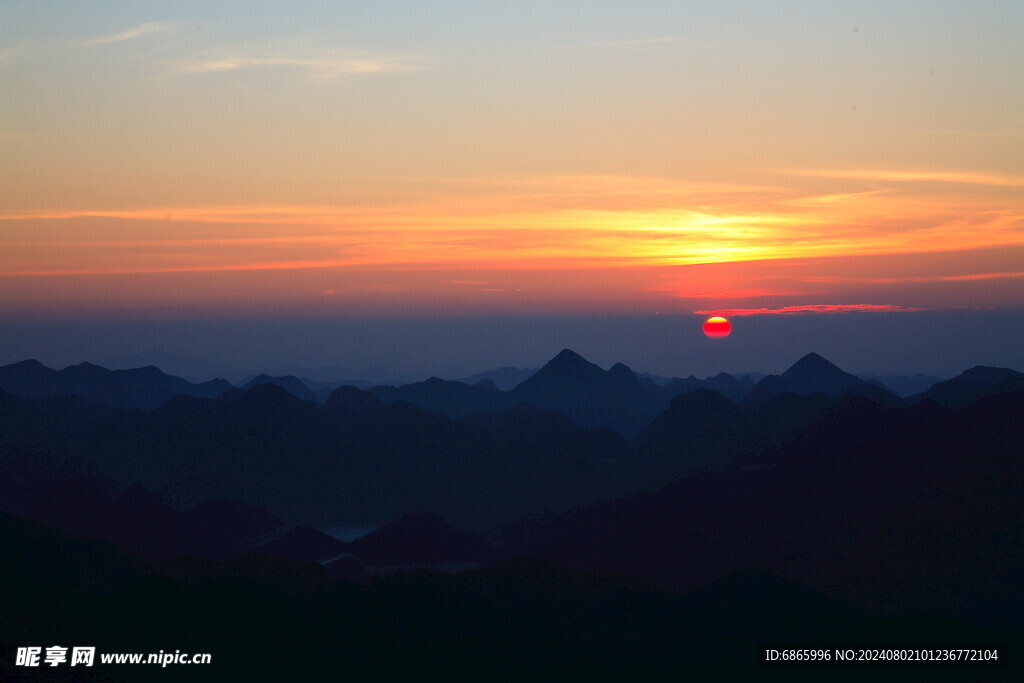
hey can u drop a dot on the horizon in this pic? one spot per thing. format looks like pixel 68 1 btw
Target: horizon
pixel 603 341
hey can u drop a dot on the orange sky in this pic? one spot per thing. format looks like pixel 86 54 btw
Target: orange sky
pixel 646 160
pixel 547 242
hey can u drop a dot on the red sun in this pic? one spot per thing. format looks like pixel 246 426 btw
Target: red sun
pixel 717 327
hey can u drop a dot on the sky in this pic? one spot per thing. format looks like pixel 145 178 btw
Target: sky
pixel 523 171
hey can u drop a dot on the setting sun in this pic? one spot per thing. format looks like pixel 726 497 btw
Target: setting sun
pixel 717 327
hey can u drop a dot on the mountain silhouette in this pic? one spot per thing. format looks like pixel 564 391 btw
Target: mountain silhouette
pixel 196 370
pixel 353 457
pixel 454 399
pixel 142 388
pixel 293 385
pixel 487 384
pixel 38 554
pixel 813 374
pixel 138 521
pixel 904 385
pixel 592 397
pixel 971 385
pixel 695 425
pixel 302 543
pixel 821 511
pixel 352 404
pixel 723 383
pixel 419 538
pixel 504 379
pixel 703 430
pixel 904 509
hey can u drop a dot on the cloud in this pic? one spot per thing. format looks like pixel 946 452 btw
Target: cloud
pixel 812 308
pixel 989 133
pixel 319 65
pixel 827 279
pixel 148 28
pixel 621 44
pixel 545 222
pixel 969 178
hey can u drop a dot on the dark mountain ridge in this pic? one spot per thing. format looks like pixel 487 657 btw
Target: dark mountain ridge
pixel 293 385
pixel 972 385
pixel 140 388
pixel 813 374
pixel 890 509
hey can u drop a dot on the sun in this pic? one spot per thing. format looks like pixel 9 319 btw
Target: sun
pixel 717 327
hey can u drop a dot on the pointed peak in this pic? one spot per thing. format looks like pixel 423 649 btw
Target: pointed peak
pixel 621 371
pixel 487 384
pixel 810 375
pixel 567 363
pixel 813 361
pixel 568 356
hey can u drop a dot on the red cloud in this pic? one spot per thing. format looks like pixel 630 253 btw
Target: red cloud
pixel 812 308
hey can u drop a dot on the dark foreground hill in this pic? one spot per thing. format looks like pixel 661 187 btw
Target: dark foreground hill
pixel 971 386
pixel 889 509
pixel 352 459
pixel 266 619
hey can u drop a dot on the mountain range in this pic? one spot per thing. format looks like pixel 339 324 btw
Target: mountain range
pixel 144 388
pixel 569 434
pixel 586 520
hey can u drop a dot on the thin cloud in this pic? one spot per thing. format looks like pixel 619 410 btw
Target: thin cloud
pixel 911 279
pixel 621 44
pixel 811 308
pixel 991 133
pixel 148 28
pixel 317 65
pixel 969 178
pixel 747 293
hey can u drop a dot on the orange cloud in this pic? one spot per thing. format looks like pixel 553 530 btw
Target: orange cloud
pixel 969 178
pixel 496 232
pixel 661 237
pixel 918 278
